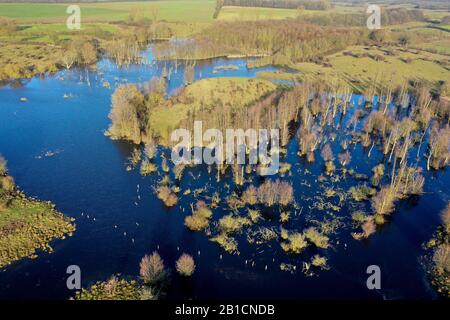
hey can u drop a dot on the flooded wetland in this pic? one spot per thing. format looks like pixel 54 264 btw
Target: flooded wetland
pixel 87 176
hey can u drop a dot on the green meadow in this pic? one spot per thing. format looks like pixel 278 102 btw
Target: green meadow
pixel 182 10
pixel 253 13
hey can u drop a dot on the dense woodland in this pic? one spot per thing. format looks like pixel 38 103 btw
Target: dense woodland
pixel 286 41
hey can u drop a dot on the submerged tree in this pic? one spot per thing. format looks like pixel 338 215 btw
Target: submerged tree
pixel 328 157
pixel 152 269
pixel 127 105
pixel 439 259
pixel 3 169
pixel 199 219
pixel 295 243
pixel 383 201
pixel 165 194
pixel 439 148
pixel 185 265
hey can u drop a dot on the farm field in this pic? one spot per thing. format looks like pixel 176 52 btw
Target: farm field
pixel 249 13
pixel 177 10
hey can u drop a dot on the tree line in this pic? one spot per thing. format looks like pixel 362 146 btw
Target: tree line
pixel 388 17
pixel 287 41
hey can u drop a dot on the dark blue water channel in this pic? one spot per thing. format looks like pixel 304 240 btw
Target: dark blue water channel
pixel 119 219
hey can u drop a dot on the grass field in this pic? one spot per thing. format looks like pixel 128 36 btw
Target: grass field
pixel 362 67
pixel 172 11
pixel 255 13
pixel 41 12
pixel 402 66
pixel 47 32
pixel 175 10
pixel 440 46
pixel 445 27
pixel 252 13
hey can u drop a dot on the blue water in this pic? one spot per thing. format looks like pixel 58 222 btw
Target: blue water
pixel 86 179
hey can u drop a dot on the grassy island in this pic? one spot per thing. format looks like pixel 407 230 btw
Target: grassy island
pixel 162 116
pixel 26 225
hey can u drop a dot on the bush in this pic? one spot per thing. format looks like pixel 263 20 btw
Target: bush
pixel 439 145
pixel 319 262
pixel 178 171
pixel 171 200
pixel 185 265
pixel 379 219
pixel 3 203
pixel 147 294
pixel 3 169
pixel 359 217
pixel 150 149
pixel 7 184
pixel 284 234
pixel 275 192
pixel 147 168
pixel 231 224
pixel 254 215
pixel 411 182
pixel 378 172
pixel 316 238
pixel 152 269
pixel 284 217
pixel 345 158
pixel 369 228
pixel 440 270
pixel 199 219
pixel 445 217
pixel 250 196
pixel 441 259
pixel 113 289
pixel 127 100
pixel 135 157
pixel 327 153
pixel 284 168
pixel 361 192
pixel 165 194
pixel 164 165
pixel 383 201
pixel 329 167
pixel 229 244
pixel 295 243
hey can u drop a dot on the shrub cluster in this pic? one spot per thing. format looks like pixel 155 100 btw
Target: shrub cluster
pixel 199 219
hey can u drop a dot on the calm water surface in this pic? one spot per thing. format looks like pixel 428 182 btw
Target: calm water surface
pixel 87 180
